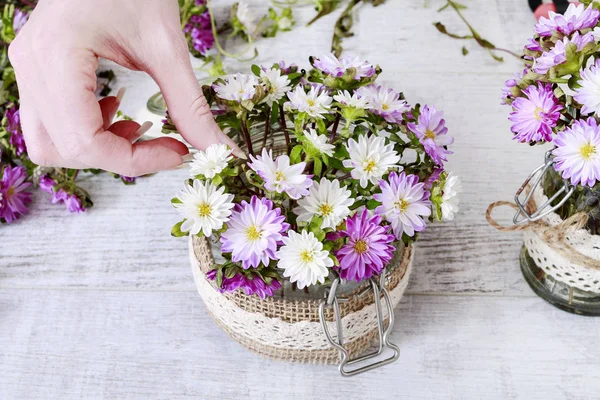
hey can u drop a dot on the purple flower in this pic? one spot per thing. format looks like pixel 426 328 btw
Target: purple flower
pixel 19 20
pixel 47 184
pixel 253 232
pixel 384 101
pixel 333 66
pixel 435 175
pixel 533 45
pixel 74 205
pixel 368 250
pixel 535 116
pixel 15 196
pixel 404 203
pixel 576 17
pixel 511 83
pixel 13 126
pixel 58 196
pixel 250 285
pixel 432 133
pixel 199 31
pixel 128 179
pixel 577 152
pixel 558 54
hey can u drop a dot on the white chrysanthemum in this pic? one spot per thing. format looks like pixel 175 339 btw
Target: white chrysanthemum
pixel 238 87
pixel 204 206
pixel 277 85
pixel 315 103
pixel 319 142
pixel 370 158
pixel 589 93
pixel 450 199
pixel 345 98
pixel 279 175
pixel 211 161
pixel 327 200
pixel 303 259
pixel 246 17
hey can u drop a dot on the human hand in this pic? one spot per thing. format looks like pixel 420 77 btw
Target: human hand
pixel 55 57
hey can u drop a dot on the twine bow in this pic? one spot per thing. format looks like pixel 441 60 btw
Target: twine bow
pixel 553 236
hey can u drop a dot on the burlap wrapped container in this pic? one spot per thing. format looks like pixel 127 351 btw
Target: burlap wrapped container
pixel 289 329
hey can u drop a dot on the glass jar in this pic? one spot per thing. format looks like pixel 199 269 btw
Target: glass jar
pixel 555 284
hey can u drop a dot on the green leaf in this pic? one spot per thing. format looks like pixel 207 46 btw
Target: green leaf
pixel 219 279
pixel 318 166
pixel 176 231
pixel 295 155
pixel 175 200
pixel 465 51
pixel 217 180
pixel 373 204
pixel 337 164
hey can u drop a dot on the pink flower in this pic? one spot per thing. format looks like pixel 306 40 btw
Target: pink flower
pixel 15 196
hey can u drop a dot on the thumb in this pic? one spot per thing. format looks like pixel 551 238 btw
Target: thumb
pixel 187 106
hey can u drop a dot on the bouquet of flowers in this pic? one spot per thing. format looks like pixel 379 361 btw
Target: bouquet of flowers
pixel 340 170
pixel 556 99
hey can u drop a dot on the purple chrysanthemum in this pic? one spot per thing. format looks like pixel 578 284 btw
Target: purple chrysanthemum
pixel 432 133
pixel 19 20
pixel 576 17
pixel 200 32
pixel 15 196
pixel 253 232
pixel 577 152
pixel 333 66
pixel 435 175
pixel 511 83
pixel 536 115
pixel 47 184
pixel 404 203
pixel 74 204
pixel 533 45
pixel 13 126
pixel 368 250
pixel 384 101
pixel 250 285
pixel 558 55
pixel 59 195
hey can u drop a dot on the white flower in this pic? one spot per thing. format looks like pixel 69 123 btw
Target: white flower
pixel 303 259
pixel 204 206
pixel 327 200
pixel 384 102
pixel 589 93
pixel 354 100
pixel 277 85
pixel 237 87
pixel 370 158
pixel 246 17
pixel 280 176
pixel 450 198
pixel 211 161
pixel 284 23
pixel 315 103
pixel 319 142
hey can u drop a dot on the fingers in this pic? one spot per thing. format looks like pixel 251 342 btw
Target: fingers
pixel 543 10
pixel 187 106
pixel 109 107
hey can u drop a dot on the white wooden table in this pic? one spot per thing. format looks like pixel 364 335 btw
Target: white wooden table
pixel 102 305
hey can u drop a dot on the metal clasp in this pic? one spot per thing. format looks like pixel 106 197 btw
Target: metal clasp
pixel 331 300
pixel 547 207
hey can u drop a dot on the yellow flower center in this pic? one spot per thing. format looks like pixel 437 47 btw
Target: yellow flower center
pixel 429 134
pixel 279 176
pixel 385 107
pixel 325 209
pixel 307 256
pixel 536 114
pixel 204 209
pixel 252 233
pixel 402 205
pixel 311 102
pixel 369 165
pixel 361 246
pixel 587 151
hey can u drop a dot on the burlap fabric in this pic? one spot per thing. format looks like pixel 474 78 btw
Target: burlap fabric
pixel 289 329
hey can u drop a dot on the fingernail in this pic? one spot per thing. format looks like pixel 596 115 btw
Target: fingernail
pixel 240 154
pixel 188 157
pixel 120 94
pixel 145 127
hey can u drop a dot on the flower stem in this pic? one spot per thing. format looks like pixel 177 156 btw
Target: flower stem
pixel 247 138
pixel 267 128
pixel 335 127
pixel 284 127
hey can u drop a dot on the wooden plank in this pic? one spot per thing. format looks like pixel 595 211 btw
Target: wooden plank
pixel 69 344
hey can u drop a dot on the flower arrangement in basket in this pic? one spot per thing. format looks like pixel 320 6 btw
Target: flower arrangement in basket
pixel 556 99
pixel 341 172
